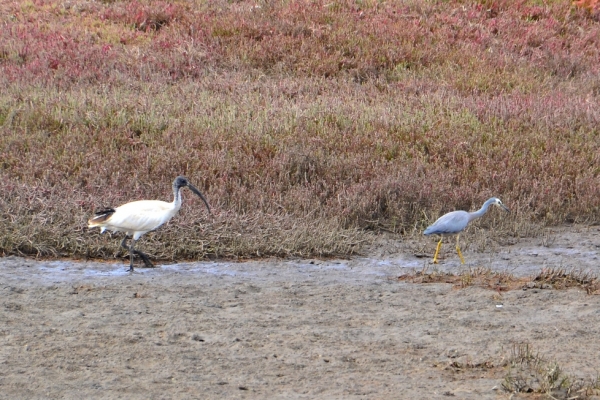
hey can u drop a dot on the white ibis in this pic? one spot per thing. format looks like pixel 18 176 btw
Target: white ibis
pixel 455 222
pixel 139 217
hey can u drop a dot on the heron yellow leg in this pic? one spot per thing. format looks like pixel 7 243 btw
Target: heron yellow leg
pixel 437 251
pixel 462 260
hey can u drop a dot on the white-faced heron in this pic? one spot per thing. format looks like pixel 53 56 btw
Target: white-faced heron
pixel 455 222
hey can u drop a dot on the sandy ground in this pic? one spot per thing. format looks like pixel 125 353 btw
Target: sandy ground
pixel 290 329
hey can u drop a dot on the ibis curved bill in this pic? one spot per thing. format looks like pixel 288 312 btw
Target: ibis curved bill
pixel 455 222
pixel 138 217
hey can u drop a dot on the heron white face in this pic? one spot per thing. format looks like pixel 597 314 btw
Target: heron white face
pixel 498 203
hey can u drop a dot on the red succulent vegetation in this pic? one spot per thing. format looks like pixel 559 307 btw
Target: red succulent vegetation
pixel 308 124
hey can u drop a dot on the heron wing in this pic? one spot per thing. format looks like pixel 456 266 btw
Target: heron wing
pixel 453 222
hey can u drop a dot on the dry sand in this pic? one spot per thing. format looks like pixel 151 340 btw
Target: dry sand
pixel 292 328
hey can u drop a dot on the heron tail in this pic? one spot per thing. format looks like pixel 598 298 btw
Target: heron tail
pixel 100 217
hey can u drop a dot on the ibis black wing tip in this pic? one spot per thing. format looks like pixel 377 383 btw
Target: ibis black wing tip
pixel 105 211
pixel 101 216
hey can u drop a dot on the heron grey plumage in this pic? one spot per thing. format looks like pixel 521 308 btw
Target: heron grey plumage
pixel 455 222
pixel 139 217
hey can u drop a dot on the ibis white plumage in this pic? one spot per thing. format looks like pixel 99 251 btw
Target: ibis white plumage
pixel 138 217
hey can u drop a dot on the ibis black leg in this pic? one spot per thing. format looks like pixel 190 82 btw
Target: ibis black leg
pixel 130 248
pixel 133 252
pixel 145 259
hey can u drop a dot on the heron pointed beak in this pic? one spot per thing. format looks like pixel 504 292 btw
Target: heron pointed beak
pixel 195 190
pixel 505 208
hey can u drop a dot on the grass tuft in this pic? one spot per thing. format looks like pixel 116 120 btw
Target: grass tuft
pixel 559 278
pixel 528 372
pixel 478 276
pixel 547 278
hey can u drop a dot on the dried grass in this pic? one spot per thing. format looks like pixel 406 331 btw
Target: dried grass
pixel 479 277
pixel 529 372
pixel 559 278
pixel 547 278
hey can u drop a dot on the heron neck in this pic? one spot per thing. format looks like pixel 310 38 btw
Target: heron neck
pixel 480 212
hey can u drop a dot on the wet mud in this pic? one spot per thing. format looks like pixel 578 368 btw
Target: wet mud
pixel 290 328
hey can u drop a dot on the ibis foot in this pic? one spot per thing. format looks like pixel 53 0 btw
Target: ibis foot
pixel 144 258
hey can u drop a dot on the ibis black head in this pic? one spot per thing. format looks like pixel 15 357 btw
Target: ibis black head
pixel 182 181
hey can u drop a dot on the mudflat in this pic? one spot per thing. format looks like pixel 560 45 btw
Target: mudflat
pixel 290 328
